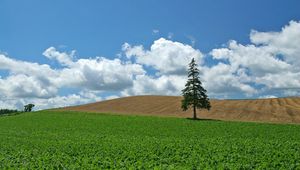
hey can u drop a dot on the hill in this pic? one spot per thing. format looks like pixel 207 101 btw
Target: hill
pixel 281 110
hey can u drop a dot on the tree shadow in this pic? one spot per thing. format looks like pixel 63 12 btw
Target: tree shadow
pixel 203 119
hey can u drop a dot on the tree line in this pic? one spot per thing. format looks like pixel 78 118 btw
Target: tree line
pixel 7 111
pixel 27 108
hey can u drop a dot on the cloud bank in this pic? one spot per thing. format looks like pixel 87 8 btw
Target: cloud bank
pixel 266 67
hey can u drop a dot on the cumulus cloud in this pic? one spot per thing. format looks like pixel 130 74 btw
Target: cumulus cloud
pixel 25 86
pixel 260 60
pixel 11 103
pixel 45 103
pixel 27 79
pixel 100 74
pixel 285 42
pixel 272 60
pixel 33 82
pixel 267 97
pixel 96 73
pixel 163 85
pixel 168 57
pixel 222 80
pixel 63 58
pixel 23 67
pixel 62 101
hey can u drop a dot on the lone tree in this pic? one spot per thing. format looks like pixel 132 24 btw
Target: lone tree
pixel 194 95
pixel 28 107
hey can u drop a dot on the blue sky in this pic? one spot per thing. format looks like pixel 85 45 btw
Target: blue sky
pixel 101 28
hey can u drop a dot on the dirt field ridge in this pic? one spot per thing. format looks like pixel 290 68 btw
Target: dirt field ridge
pixel 280 110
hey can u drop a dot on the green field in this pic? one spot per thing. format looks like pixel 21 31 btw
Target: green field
pixel 70 140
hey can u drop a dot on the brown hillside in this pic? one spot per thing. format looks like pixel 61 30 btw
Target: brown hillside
pixel 283 110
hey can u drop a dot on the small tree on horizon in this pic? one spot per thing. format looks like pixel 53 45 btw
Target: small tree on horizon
pixel 28 107
pixel 194 95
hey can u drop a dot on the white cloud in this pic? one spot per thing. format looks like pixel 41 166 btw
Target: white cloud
pixel 267 97
pixel 26 79
pixel 32 82
pixel 111 97
pixel 163 85
pixel 61 101
pixel 23 67
pixel 272 61
pixel 170 35
pixel 280 80
pixel 221 80
pixel 192 40
pixel 259 60
pixel 45 103
pixel 291 92
pixel 12 104
pixel 63 58
pixel 285 42
pixel 166 56
pixel 35 80
pixel 24 86
pixel 90 95
pixel 99 74
pixel 155 31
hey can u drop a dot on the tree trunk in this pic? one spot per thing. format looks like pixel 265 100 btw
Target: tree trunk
pixel 194 98
pixel 195 114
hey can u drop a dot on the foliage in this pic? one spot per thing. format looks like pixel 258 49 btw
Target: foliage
pixel 7 111
pixel 28 107
pixel 71 140
pixel 194 94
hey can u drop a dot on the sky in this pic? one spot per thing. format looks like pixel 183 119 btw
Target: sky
pixel 63 52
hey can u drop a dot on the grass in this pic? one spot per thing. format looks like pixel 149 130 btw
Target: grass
pixel 72 140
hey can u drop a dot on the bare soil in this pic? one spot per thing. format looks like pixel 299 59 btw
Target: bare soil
pixel 279 110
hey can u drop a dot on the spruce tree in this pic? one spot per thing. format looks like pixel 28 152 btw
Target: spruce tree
pixel 194 95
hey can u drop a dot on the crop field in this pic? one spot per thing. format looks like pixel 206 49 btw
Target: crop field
pixel 73 140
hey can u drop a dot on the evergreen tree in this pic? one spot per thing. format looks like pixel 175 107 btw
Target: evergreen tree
pixel 194 95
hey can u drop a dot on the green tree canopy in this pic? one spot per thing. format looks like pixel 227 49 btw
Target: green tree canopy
pixel 28 107
pixel 194 95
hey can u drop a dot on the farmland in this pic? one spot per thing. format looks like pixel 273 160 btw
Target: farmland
pixel 279 110
pixel 52 139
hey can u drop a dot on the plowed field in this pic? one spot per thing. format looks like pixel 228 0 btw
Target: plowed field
pixel 281 110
